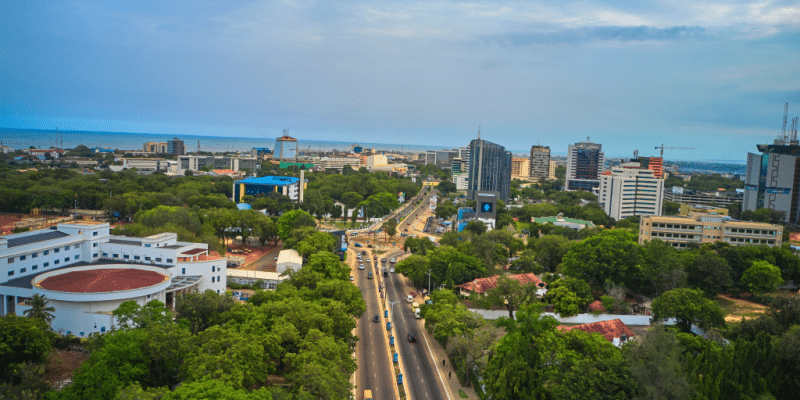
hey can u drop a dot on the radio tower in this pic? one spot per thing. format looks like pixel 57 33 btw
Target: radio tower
pixel 198 147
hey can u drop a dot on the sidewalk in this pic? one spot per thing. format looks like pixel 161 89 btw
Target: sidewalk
pixel 445 371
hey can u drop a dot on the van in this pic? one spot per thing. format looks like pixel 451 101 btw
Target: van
pixel 414 306
pixel 416 314
pixel 368 394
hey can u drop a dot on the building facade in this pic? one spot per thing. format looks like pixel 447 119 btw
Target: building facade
pixel 629 190
pixel 694 197
pixel 198 163
pixel 681 232
pixel 584 165
pixel 338 162
pixel 155 147
pixel 540 162
pixel 773 180
pixel 285 148
pixel 175 146
pixel 520 167
pixel 460 180
pixel 86 273
pixel 285 185
pixel 490 170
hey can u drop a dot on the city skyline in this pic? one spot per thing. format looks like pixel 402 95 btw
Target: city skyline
pixel 630 76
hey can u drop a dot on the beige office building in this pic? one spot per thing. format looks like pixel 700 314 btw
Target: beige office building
pixel 708 228
pixel 520 167
pixel 539 166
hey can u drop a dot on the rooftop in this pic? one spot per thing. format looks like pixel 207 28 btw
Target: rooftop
pixel 553 220
pixel 481 285
pixel 102 280
pixel 611 329
pixel 24 282
pixel 36 238
pixel 270 180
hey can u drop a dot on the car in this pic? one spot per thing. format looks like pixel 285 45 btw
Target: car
pixel 351 277
pixel 275 259
pixel 409 299
pixel 360 266
pixel 376 318
pixel 412 337
pixel 391 270
pixel 363 252
pixel 383 260
pixel 369 275
pixel 392 260
pixel 405 230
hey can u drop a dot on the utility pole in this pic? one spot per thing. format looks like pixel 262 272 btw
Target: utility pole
pixel 429 281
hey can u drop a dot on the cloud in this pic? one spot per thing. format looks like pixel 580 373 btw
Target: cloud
pixel 599 34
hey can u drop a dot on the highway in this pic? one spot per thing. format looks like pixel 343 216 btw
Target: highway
pixel 375 370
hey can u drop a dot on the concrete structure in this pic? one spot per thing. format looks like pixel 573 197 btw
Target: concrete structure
pixel 374 160
pixel 655 164
pixel 289 259
pixel 82 161
pixel 175 146
pixel 155 147
pixel 86 273
pixel 708 228
pixel 285 185
pixel 337 162
pixel 520 167
pixel 551 171
pixel 197 163
pixel 260 152
pixel 773 180
pixel 6 149
pixel 460 180
pixel 146 164
pixel 51 152
pixel 629 190
pixel 267 280
pixel 560 220
pixel 539 162
pixel 584 165
pixel 490 170
pixel 693 197
pixel 285 148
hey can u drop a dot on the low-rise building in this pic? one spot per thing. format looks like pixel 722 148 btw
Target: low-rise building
pixel 266 280
pixel 337 162
pixel 82 161
pixel 680 232
pixel 86 273
pixel 146 165
pixel 288 259
pixel 461 180
pixel 482 285
pixel 198 163
pixel 687 196
pixel 155 147
pixel 615 331
pixel 285 185
pixel 566 222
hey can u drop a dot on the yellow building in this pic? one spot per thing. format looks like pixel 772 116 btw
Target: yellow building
pixel 520 167
pixel 708 228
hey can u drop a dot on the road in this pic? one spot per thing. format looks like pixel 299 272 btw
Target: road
pixel 375 369
pixel 422 378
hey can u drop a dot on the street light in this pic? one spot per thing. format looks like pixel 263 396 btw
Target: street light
pixel 429 281
pixel 391 303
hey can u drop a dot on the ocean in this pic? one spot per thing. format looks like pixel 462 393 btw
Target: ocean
pixel 24 138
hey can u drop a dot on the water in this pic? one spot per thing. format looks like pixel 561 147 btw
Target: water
pixel 24 138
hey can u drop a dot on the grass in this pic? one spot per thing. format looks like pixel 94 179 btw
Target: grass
pixel 735 310
pixel 462 394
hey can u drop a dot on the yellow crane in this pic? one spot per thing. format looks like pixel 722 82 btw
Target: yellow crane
pixel 662 149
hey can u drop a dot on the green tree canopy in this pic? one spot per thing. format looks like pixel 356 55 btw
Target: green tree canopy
pixel 762 277
pixel 611 255
pixel 22 340
pixel 688 307
pixel 40 309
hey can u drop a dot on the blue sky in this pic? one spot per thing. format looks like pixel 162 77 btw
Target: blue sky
pixel 629 75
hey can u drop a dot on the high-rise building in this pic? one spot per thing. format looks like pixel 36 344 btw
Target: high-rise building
pixel 175 146
pixel 490 170
pixel 155 147
pixel 463 154
pixel 520 167
pixel 584 165
pixel 551 171
pixel 285 148
pixel 655 164
pixel 628 190
pixel 540 162
pixel 773 180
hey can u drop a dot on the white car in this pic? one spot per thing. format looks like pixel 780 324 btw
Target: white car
pixel 410 299
pixel 360 266
pixel 392 260
pixel 391 270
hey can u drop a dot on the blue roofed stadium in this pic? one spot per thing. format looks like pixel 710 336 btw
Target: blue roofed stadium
pixel 285 185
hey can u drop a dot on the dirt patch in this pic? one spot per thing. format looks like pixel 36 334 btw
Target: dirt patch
pixel 738 309
pixel 62 364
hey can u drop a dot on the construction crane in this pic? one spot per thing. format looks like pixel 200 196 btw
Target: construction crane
pixel 672 148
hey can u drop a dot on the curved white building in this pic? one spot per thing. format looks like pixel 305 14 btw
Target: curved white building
pixel 86 273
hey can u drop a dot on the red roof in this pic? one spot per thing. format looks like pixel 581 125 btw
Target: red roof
pixel 224 171
pixel 102 280
pixel 481 285
pixel 596 305
pixel 609 329
pixel 194 251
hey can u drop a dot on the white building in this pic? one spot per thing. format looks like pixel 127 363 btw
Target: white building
pixel 289 259
pixel 267 280
pixel 337 162
pixel 147 164
pixel 460 180
pixel 628 190
pixel 86 273
pixel 375 160
pixel 197 163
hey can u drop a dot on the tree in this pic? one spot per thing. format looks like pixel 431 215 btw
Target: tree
pixel 708 272
pixel 445 210
pixel 611 255
pixel 39 309
pixel 22 340
pixel 508 293
pixel 390 227
pixel 671 208
pixel 662 269
pixel 471 349
pixel 292 220
pixel 446 187
pixel 201 310
pixel 657 363
pixel 475 227
pixel 565 302
pixel 688 307
pixel 762 277
pixel 131 315
pixel 229 356
pixel 550 250
pixel 208 388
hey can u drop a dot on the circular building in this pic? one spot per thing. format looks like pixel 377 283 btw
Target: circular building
pixel 85 297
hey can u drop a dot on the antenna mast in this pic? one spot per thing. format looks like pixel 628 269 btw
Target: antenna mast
pixel 785 114
pixel 479 132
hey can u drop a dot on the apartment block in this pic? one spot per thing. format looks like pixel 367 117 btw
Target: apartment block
pixel 680 232
pixel 629 190
pixel 585 162
pixel 520 167
pixel 197 163
pixel 540 162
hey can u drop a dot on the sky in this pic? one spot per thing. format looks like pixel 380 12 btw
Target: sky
pixel 628 74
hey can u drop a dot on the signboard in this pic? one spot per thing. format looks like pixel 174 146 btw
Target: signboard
pixel 284 165
pixel 487 207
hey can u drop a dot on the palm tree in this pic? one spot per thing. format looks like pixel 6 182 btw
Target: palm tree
pixel 39 309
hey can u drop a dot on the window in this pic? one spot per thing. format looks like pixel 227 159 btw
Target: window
pixel 136 257
pixel 94 244
pixel 66 259
pixel 169 261
pixel 147 245
pixel 116 256
pixel 148 296
pixel 10 273
pixel 10 260
pixel 56 262
pixel 213 268
pixel 22 257
pixel 56 250
pixel 47 264
pixel 105 254
pixel 125 256
pixel 66 248
pixel 22 270
pixel 34 268
pixel 94 233
pixel 34 255
pixel 77 256
pixel 46 252
pixel 147 258
pixel 183 271
pixel 77 246
pixel 95 255
pixel 158 259
pixel 212 279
